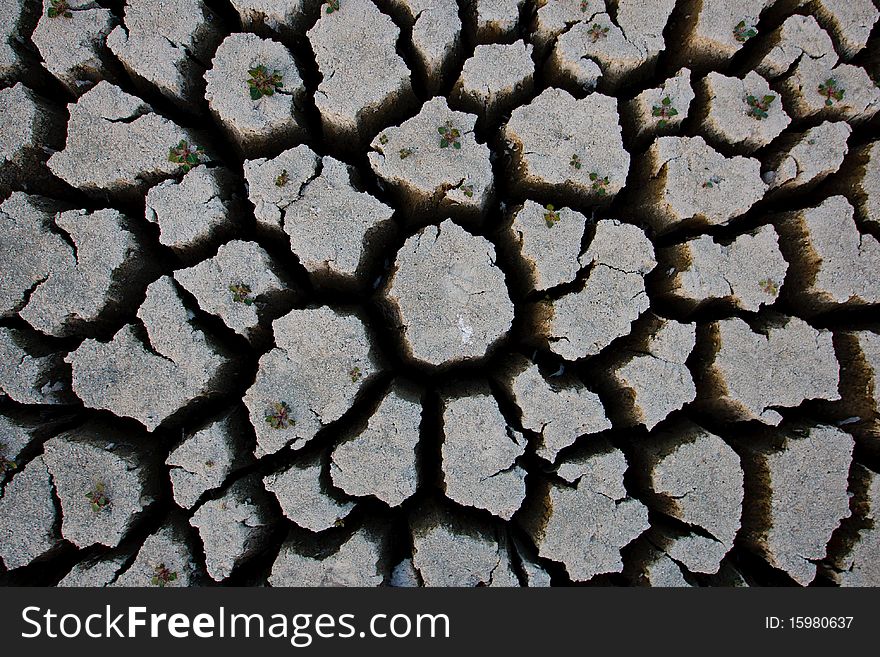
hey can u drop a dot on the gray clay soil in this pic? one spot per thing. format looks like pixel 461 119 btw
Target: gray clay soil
pixel 440 293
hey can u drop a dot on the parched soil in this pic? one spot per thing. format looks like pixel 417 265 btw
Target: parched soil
pixel 409 293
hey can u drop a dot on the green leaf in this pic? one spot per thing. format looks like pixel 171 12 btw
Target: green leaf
pixel 769 99
pixel 672 112
pixel 456 145
pixel 192 158
pixel 661 123
pixel 594 176
pixel 444 143
pixel 255 93
pixel 441 130
pixel 666 101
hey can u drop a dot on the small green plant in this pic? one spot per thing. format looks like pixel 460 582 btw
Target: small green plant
pixel 241 293
pixel 278 416
pixel 449 136
pixel 769 286
pixel 282 179
pixel 59 8
pixel 6 465
pixel 665 111
pixel 758 107
pixel 185 155
pixel 98 497
pixel 551 215
pixel 584 6
pixel 383 139
pixel 743 32
pixel 405 153
pixel 599 184
pixel 712 182
pixel 468 190
pixel 262 83
pixel 332 5
pixel 355 374
pixel 162 576
pixel 597 32
pixel 831 91
pixel 576 161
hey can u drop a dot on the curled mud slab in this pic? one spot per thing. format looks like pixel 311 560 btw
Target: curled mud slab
pixel 436 293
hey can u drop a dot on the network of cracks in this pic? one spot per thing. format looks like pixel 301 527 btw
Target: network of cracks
pixel 581 364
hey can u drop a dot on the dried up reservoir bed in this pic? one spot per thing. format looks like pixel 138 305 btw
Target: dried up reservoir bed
pixel 439 292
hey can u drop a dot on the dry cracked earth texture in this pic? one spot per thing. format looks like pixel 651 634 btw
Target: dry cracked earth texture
pixel 438 293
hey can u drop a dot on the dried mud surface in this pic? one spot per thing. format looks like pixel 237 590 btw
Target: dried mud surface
pixel 522 293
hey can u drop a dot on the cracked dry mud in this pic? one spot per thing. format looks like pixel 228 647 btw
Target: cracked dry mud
pixel 450 293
